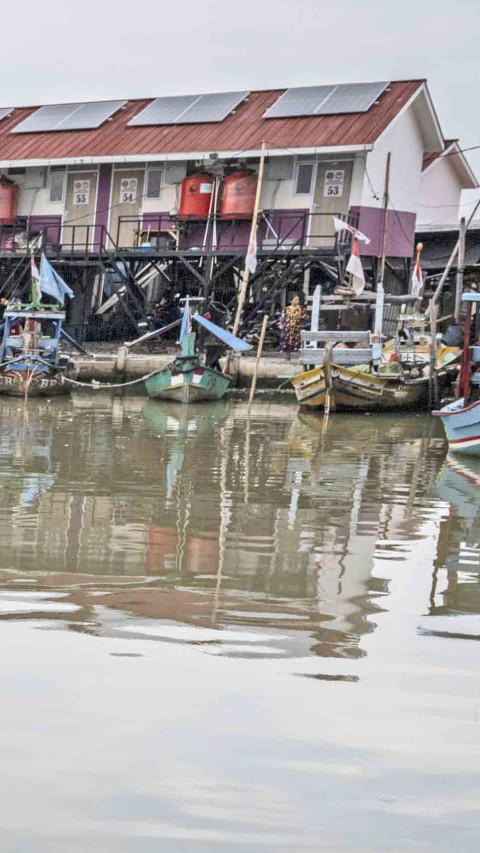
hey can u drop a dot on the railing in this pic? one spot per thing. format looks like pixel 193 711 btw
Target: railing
pixel 278 232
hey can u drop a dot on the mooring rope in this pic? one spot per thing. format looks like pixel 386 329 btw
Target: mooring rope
pixel 94 384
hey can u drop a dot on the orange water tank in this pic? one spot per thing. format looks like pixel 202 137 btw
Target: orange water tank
pixel 238 196
pixel 8 202
pixel 196 197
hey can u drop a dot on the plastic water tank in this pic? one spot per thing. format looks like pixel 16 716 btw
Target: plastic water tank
pixel 8 202
pixel 238 196
pixel 195 197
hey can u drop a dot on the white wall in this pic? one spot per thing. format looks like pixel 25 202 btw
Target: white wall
pixel 440 191
pixel 404 140
pixel 34 197
pixel 173 175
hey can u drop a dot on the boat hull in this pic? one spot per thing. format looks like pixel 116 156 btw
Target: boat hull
pixel 200 384
pixel 25 380
pixel 462 427
pixel 352 390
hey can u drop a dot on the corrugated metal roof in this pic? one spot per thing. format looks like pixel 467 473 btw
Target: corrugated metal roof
pixel 243 130
pixel 430 156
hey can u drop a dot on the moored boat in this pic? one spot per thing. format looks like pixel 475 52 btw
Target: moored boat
pixel 461 419
pixel 189 378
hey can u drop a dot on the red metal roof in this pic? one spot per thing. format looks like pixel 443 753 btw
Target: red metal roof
pixel 430 156
pixel 243 130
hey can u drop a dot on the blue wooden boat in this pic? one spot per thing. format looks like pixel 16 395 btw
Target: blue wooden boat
pixel 30 360
pixel 461 419
pixel 188 378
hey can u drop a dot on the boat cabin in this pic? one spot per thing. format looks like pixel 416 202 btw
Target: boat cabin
pixel 33 332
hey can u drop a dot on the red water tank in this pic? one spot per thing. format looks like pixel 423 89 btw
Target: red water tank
pixel 196 197
pixel 8 202
pixel 238 196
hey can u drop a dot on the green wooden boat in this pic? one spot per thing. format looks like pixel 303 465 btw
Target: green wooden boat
pixel 187 379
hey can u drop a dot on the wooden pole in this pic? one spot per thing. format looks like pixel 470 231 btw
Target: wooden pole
pixel 385 218
pixel 257 360
pixel 433 379
pixel 253 232
pixel 438 291
pixel 460 267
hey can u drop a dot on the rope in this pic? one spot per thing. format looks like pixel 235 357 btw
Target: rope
pixel 95 385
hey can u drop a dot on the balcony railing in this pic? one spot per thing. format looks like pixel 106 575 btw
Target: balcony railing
pixel 278 232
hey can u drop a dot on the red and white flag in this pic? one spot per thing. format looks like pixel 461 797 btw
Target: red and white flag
pixel 354 267
pixel 251 259
pixel 340 225
pixel 416 286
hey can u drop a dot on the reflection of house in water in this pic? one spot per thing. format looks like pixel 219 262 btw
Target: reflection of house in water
pixel 458 550
pixel 239 518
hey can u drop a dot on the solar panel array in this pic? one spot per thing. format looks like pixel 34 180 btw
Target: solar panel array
pixel 5 111
pixel 189 109
pixel 85 116
pixel 326 100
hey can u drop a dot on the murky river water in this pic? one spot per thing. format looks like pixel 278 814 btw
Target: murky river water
pixel 224 633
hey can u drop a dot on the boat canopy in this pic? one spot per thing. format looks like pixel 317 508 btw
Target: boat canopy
pixel 230 340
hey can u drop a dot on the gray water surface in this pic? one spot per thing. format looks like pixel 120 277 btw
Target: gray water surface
pixel 224 632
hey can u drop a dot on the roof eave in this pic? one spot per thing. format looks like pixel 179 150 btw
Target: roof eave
pixel 183 155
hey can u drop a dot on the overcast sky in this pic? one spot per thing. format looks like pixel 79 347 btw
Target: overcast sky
pixel 59 50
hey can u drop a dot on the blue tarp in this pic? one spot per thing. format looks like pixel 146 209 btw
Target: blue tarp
pixel 230 340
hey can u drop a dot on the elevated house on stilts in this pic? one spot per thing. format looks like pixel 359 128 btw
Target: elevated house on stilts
pixel 130 197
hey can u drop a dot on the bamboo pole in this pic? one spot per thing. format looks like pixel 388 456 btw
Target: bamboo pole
pixel 385 218
pixel 438 291
pixel 257 360
pixel 253 232
pixel 460 267
pixel 433 379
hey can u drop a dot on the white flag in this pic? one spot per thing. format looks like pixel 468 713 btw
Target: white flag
pixel 354 267
pixel 251 259
pixel 340 225
pixel 417 278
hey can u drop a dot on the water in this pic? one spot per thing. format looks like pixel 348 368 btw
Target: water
pixel 232 633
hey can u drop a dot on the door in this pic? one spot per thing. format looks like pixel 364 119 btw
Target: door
pixel 127 201
pixel 78 221
pixel 331 196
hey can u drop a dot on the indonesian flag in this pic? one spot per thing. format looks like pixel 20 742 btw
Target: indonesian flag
pixel 354 267
pixel 417 278
pixel 36 292
pixel 251 259
pixel 340 225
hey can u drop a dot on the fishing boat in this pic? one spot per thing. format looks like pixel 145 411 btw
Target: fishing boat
pixel 30 360
pixel 189 378
pixel 461 419
pixel 371 376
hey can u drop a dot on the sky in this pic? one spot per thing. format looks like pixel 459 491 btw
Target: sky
pixel 58 51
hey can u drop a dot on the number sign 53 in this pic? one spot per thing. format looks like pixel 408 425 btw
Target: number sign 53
pixel 334 180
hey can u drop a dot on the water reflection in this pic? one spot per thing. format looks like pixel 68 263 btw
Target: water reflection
pixel 248 519
pixel 242 632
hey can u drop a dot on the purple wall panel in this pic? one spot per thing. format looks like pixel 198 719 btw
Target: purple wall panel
pixel 400 231
pixel 103 202
pixel 52 224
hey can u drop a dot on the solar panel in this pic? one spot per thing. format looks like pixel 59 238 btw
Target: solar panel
pixel 212 107
pixel 5 111
pixel 84 116
pixel 299 102
pixel 351 98
pixel 326 100
pixel 189 109
pixel 164 110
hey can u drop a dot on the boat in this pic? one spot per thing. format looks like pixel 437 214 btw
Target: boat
pixel 461 418
pixel 189 378
pixel 364 387
pixel 31 364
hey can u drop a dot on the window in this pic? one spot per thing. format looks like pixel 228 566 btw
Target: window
pixel 57 183
pixel 303 179
pixel 154 183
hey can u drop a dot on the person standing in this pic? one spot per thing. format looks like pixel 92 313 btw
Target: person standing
pixel 293 320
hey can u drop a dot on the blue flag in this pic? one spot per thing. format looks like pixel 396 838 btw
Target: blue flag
pixel 185 327
pixel 223 334
pixel 52 283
